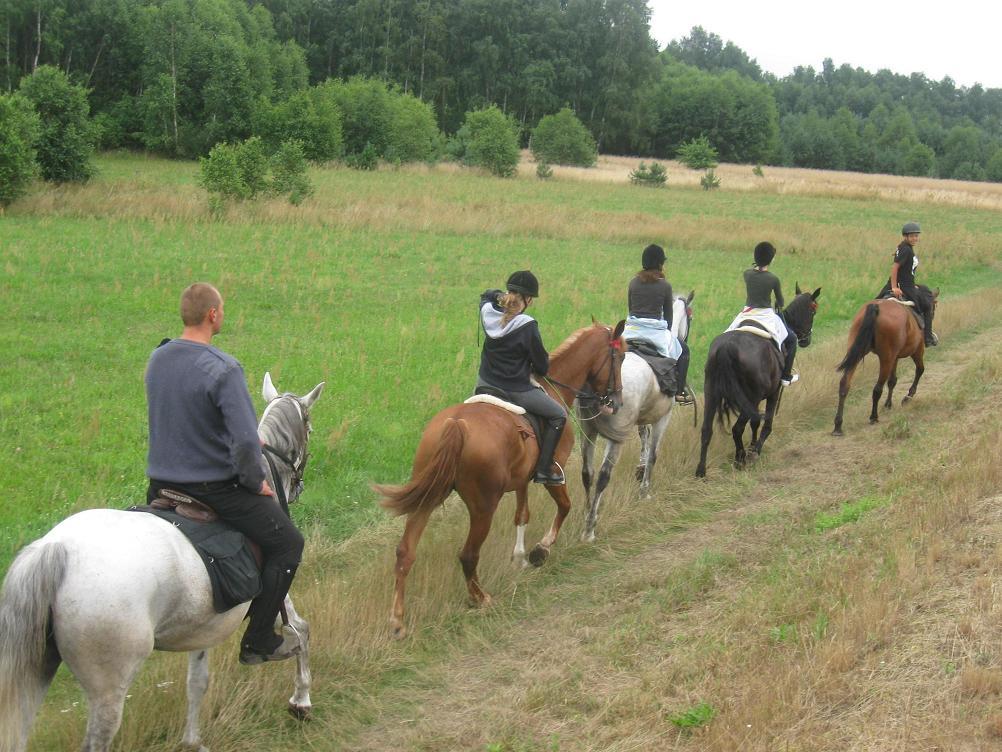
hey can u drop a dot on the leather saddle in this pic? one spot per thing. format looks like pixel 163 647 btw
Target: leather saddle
pixel 192 509
pixel 534 421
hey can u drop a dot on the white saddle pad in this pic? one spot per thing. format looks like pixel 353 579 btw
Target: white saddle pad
pixel 497 402
pixel 766 317
pixel 909 303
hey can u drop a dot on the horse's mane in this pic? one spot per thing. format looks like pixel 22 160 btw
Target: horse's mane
pixel 574 337
pixel 283 427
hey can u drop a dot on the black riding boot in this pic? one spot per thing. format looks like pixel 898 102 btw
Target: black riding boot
pixel 545 473
pixel 931 340
pixel 682 373
pixel 790 353
pixel 260 643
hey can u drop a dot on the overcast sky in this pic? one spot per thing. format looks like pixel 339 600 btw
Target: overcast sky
pixel 956 38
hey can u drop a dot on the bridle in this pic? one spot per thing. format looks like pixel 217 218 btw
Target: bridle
pixel 298 468
pixel 803 340
pixel 611 390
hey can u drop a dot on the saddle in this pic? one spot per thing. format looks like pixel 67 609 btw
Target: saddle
pixel 498 398
pixel 909 304
pixel 232 560
pixel 664 369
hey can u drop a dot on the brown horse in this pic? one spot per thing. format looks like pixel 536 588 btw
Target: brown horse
pixel 482 451
pixel 889 329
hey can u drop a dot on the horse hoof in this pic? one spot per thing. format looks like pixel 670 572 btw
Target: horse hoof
pixel 300 712
pixel 519 561
pixel 906 400
pixel 874 420
pixel 701 472
pixel 588 536
pixel 399 630
pixel 538 555
pixel 837 432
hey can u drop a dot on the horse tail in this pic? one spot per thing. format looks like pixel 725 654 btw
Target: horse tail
pixel 430 485
pixel 28 655
pixel 864 341
pixel 724 386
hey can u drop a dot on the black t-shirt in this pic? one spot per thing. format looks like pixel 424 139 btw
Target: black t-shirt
pixel 904 257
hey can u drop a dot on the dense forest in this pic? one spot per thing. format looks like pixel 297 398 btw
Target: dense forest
pixel 177 76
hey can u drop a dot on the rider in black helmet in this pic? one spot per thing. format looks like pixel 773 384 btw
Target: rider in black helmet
pixel 901 283
pixel 513 350
pixel 761 285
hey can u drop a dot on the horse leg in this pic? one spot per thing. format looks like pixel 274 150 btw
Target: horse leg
pixel 657 434
pixel 770 412
pixel 612 450
pixel 406 550
pixel 198 682
pixel 542 549
pixel 587 460
pixel 739 446
pixel 919 360
pixel 521 521
pixel 469 557
pixel 843 391
pixel 709 411
pixel 891 383
pixel 299 704
pixel 754 423
pixel 886 367
pixel 645 449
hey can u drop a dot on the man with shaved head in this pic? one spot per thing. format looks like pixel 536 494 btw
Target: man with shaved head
pixel 204 442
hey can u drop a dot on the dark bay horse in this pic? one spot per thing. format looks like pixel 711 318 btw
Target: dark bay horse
pixel 889 329
pixel 482 451
pixel 742 369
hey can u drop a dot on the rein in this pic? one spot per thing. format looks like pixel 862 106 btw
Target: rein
pixel 298 469
pixel 610 390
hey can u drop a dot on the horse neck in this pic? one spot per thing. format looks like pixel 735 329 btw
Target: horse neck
pixel 796 313
pixel 571 365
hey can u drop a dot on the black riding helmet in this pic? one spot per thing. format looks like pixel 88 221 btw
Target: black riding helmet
pixel 653 257
pixel 911 227
pixel 524 283
pixel 764 254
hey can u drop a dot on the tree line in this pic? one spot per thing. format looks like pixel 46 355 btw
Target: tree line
pixel 179 76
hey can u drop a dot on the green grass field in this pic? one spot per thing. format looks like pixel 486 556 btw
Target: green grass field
pixel 372 286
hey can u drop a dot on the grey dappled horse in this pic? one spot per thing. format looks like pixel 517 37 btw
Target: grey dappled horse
pixel 104 588
pixel 644 408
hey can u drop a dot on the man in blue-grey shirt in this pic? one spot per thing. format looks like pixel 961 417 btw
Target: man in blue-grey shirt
pixel 204 442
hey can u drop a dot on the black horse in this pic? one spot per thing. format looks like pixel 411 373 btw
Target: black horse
pixel 742 369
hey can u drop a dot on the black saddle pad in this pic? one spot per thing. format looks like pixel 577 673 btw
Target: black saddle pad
pixel 664 368
pixel 226 554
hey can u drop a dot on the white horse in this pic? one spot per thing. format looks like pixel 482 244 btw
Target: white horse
pixel 644 407
pixel 104 588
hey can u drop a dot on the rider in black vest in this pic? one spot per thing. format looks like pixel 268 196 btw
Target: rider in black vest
pixel 513 350
pixel 901 283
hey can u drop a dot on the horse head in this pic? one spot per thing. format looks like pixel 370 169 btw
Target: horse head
pixel 682 316
pixel 605 364
pixel 285 432
pixel 800 315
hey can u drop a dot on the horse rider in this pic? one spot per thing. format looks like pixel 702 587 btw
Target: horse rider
pixel 204 443
pixel 651 303
pixel 760 286
pixel 901 283
pixel 513 350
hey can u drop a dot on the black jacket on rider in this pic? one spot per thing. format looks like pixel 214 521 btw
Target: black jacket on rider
pixel 511 351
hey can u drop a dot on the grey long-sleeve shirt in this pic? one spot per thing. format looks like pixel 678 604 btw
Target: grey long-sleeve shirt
pixel 201 419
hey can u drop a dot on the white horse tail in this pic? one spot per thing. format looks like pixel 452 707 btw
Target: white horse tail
pixel 27 659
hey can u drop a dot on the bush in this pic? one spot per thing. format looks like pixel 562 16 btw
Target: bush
pixel 413 134
pixel 310 116
pixel 654 176
pixel 544 171
pixel 365 113
pixel 563 139
pixel 493 141
pixel 993 170
pixel 367 159
pixel 757 171
pixel 19 129
pixel 66 140
pixel 698 154
pixel 241 172
pixel 709 181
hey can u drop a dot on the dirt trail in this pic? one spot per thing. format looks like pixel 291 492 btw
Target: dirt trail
pixel 653 619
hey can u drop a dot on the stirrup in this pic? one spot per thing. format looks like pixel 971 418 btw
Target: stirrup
pixel 550 478
pixel 792 380
pixel 286 648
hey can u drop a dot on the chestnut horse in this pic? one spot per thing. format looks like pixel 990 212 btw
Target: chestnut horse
pixel 742 369
pixel 482 451
pixel 889 329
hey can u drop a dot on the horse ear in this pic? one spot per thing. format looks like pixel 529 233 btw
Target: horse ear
pixel 593 321
pixel 268 391
pixel 935 294
pixel 692 294
pixel 313 396
pixel 618 331
pixel 796 285
pixel 815 294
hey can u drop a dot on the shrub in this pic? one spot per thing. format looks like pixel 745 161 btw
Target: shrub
pixel 66 139
pixel 288 170
pixel 654 176
pixel 365 113
pixel 544 171
pixel 563 139
pixel 367 159
pixel 19 129
pixel 244 171
pixel 493 141
pixel 309 116
pixel 757 171
pixel 698 154
pixel 709 181
pixel 413 134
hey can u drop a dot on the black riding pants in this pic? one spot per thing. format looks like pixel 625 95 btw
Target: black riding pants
pixel 262 520
pixel 923 303
pixel 682 366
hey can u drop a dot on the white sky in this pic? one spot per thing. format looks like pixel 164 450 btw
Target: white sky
pixel 956 38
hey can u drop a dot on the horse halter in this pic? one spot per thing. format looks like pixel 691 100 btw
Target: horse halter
pixel 803 340
pixel 298 468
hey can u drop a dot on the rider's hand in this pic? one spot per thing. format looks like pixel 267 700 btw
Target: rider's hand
pixel 265 489
pixel 896 292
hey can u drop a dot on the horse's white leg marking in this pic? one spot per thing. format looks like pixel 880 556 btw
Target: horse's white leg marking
pixel 198 682
pixel 612 451
pixel 299 703
pixel 518 555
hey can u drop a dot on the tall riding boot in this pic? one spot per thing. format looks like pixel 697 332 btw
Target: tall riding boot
pixel 681 373
pixel 545 472
pixel 931 340
pixel 788 376
pixel 260 643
